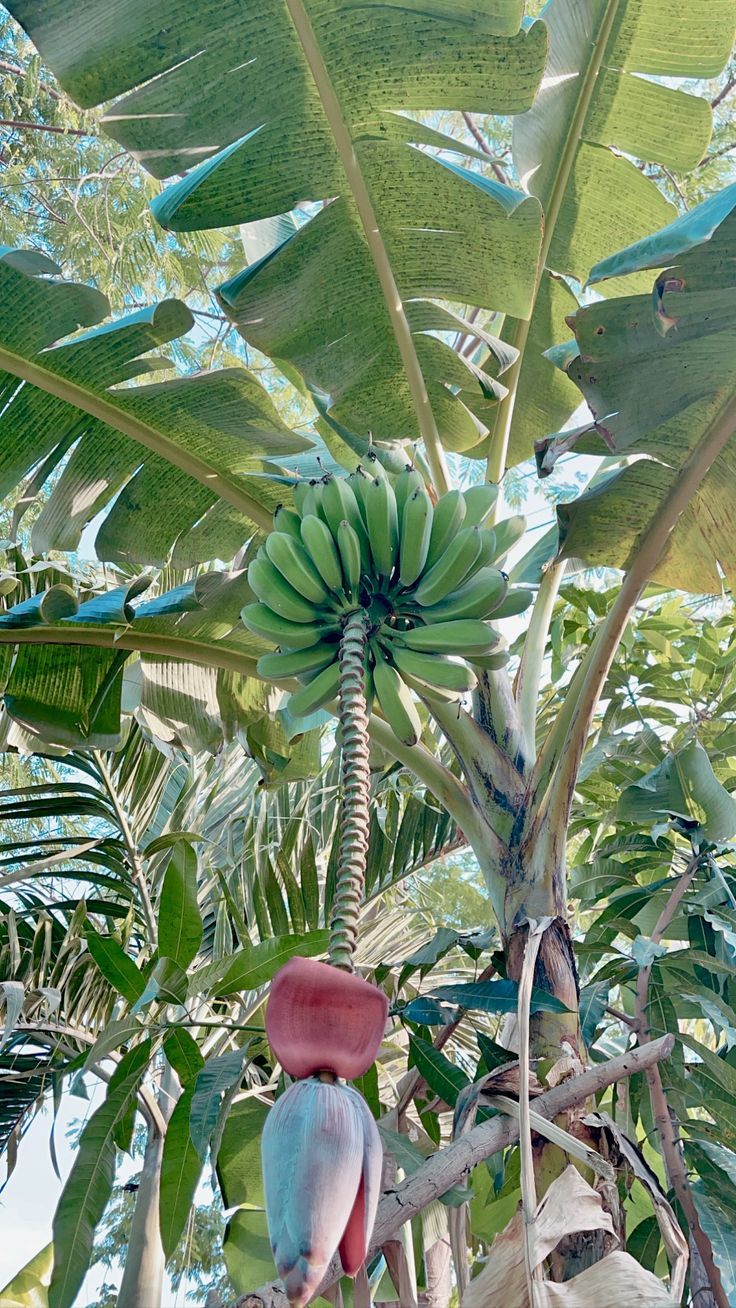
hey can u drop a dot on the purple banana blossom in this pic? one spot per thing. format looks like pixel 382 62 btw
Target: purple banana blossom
pixel 322 1159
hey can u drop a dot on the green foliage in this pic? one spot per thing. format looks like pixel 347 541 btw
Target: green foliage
pixel 89 1184
pixel 150 893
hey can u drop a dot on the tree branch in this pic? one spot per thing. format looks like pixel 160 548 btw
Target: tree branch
pixel 17 71
pixel 673 1159
pixel 24 125
pixel 478 136
pixel 448 1167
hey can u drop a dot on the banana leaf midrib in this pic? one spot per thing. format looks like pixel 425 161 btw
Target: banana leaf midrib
pixel 114 416
pixel 211 655
pixel 518 334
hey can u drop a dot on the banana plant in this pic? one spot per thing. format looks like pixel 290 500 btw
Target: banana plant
pixel 348 301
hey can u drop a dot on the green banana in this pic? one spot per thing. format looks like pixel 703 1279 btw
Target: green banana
pixel 408 481
pixel 269 586
pixel 448 518
pixel 312 696
pixel 348 546
pixel 359 481
pixel 383 525
pixel 395 699
pixel 487 552
pixel 312 503
pixel 262 620
pixel 320 545
pixel 464 637
pixel 507 534
pixel 491 662
pixel 416 529
pixel 295 662
pixel 432 692
pixel 516 601
pixel 434 669
pixel 288 521
pixel 293 563
pixel 436 693
pixel 451 570
pixel 479 500
pixel 478 598
pixel 374 467
pixel 299 491
pixel 339 504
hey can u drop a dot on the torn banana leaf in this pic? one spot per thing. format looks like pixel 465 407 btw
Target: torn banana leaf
pixel 195 673
pixel 657 372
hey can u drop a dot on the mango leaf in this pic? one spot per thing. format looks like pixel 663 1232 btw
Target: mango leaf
pixel 181 1168
pixel 657 372
pixel 115 965
pixel 256 964
pixel 239 1155
pixel 167 984
pixel 442 1076
pixel 717 1221
pixel 218 1075
pixel 29 1286
pixel 426 1012
pixel 89 1184
pixel 179 918
pixel 247 1250
pixel 182 1052
pixel 497 997
pixel 683 786
pixel 115 1033
pixel 177 457
pixel 352 79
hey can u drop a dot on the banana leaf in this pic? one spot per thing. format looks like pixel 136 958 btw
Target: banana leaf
pixel 265 108
pixel 178 463
pixel 657 373
pixel 598 111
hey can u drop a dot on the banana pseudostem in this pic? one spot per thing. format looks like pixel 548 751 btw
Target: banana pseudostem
pixel 355 784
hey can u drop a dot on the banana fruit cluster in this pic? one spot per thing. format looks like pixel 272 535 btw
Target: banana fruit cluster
pixel 426 575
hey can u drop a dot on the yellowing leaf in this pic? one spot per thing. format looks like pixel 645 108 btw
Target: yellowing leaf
pixel 570 1205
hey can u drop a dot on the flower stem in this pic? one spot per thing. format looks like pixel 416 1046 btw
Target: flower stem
pixel 355 783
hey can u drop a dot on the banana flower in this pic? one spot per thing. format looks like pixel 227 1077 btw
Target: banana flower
pixel 322 1160
pixel 322 1019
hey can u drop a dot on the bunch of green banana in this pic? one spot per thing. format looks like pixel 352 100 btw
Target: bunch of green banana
pixel 425 573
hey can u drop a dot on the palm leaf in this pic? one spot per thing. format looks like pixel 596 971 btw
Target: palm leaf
pixel 183 457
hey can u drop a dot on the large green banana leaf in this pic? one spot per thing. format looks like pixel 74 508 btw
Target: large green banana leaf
pixel 183 457
pixel 597 105
pixel 227 92
pixel 658 373
pixel 194 681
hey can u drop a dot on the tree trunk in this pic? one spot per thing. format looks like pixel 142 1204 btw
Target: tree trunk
pixel 143 1273
pixel 555 1036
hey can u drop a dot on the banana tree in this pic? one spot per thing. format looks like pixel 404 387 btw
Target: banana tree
pixel 348 303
